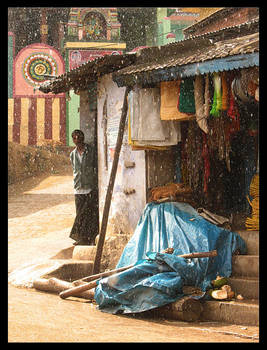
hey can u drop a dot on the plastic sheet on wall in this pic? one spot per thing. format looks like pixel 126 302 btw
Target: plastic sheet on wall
pixel 146 127
pixel 157 278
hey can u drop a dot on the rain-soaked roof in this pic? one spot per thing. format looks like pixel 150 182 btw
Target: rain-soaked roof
pixel 229 48
pixel 230 54
pixel 79 78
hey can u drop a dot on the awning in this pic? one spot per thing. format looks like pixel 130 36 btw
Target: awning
pixel 177 72
pixel 79 78
pixel 237 53
pixel 227 49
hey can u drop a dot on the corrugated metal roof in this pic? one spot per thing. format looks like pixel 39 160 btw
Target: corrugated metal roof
pixel 173 57
pixel 80 77
pixel 234 50
pixel 224 33
pixel 223 13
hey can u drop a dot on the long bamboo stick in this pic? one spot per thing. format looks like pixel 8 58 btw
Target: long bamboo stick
pixel 77 290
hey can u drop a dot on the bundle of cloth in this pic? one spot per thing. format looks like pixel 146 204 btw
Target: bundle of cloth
pixel 179 192
pixel 156 277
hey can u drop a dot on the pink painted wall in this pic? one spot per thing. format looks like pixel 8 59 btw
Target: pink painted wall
pixel 26 63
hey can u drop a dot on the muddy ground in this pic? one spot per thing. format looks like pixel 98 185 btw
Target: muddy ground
pixel 41 211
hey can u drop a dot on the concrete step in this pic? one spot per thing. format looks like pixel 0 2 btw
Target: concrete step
pixel 245 265
pixel 252 241
pixel 84 252
pixel 64 269
pixel 248 287
pixel 235 312
pixel 70 270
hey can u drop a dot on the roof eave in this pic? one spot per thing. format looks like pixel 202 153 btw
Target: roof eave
pixel 182 71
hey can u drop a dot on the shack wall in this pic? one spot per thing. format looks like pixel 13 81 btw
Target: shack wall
pixel 129 193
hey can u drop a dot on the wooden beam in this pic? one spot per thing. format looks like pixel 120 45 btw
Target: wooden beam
pixel 102 234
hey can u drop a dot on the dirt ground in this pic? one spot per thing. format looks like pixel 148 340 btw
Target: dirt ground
pixel 41 211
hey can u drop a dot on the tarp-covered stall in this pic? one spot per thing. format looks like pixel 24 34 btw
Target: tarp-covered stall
pixel 158 278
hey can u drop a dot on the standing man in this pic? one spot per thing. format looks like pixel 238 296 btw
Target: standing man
pixel 84 230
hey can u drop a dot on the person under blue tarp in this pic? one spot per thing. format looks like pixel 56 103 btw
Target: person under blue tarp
pixel 157 278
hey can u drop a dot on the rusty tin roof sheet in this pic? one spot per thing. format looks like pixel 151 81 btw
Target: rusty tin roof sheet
pixel 241 45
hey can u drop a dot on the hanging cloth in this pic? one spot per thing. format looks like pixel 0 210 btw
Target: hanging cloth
pixel 232 111
pixel 187 98
pixel 169 95
pixel 207 97
pixel 146 128
pixel 217 98
pixel 168 99
pixel 199 103
pixel 133 128
pixel 225 92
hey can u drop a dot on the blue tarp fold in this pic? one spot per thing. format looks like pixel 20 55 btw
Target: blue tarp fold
pixel 157 278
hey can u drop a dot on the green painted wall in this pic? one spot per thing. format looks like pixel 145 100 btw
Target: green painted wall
pixel 72 109
pixel 72 116
pixel 177 29
pixel 164 26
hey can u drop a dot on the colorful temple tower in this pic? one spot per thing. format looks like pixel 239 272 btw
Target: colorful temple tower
pixel 91 33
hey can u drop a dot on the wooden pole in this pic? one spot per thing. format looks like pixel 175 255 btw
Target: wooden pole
pixel 77 290
pixel 199 255
pixel 102 234
pixel 93 279
pixel 103 274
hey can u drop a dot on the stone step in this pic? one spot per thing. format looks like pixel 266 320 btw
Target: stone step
pixel 252 241
pixel 235 312
pixel 248 287
pixel 245 265
pixel 84 252
pixel 70 270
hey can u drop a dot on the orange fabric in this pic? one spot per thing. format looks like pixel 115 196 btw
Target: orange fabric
pixel 169 93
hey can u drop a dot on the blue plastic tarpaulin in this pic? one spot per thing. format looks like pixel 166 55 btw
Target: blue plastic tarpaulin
pixel 157 279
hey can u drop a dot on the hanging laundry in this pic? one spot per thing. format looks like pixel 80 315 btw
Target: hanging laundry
pixel 145 126
pixel 199 103
pixel 232 111
pixel 150 126
pixel 187 98
pixel 207 97
pixel 225 92
pixel 217 98
pixel 169 100
pixel 240 91
pixel 132 129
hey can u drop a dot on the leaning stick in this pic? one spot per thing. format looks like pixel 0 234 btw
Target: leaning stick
pixel 103 274
pixel 92 284
pixel 77 290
